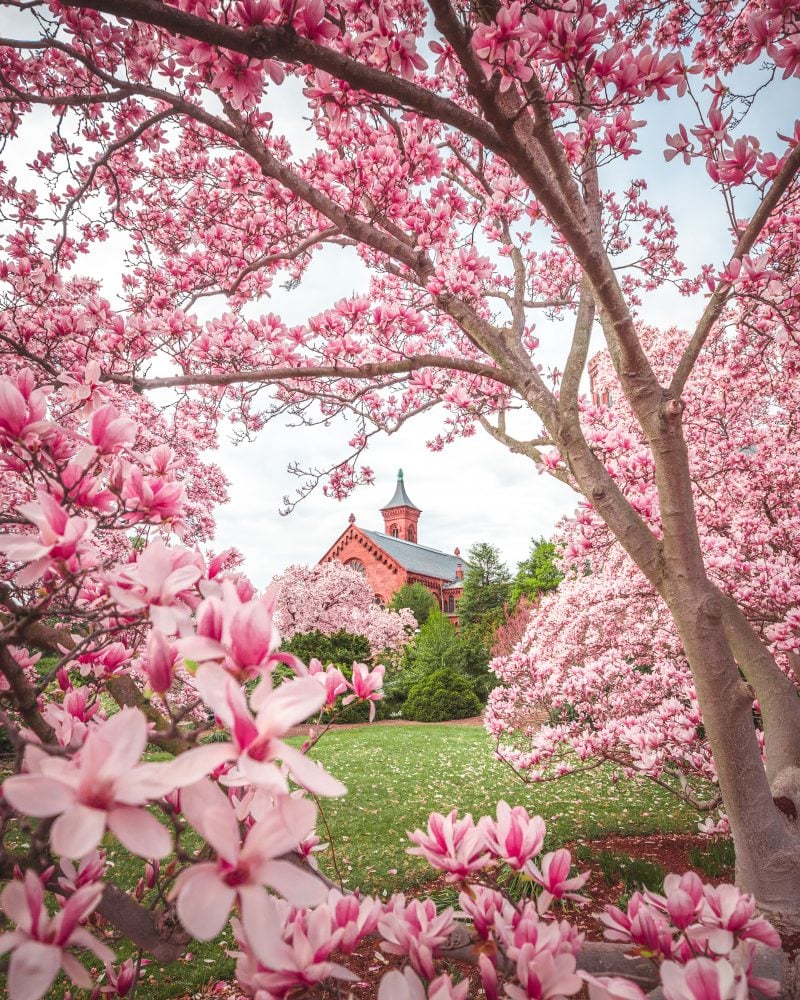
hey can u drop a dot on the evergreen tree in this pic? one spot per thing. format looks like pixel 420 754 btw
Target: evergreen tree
pixel 486 588
pixel 418 599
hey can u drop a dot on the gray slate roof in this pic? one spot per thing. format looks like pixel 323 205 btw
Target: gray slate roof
pixel 419 558
pixel 400 498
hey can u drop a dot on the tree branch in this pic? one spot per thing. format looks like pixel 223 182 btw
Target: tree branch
pixel 367 371
pixel 262 42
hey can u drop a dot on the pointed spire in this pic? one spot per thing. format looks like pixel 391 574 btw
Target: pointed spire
pixel 400 498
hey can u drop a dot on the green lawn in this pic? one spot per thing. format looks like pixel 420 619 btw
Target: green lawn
pixel 396 775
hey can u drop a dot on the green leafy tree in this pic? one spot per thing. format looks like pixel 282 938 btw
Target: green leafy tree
pixel 487 585
pixel 536 574
pixel 340 648
pixel 418 599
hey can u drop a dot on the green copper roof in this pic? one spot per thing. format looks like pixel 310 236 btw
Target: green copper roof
pixel 400 498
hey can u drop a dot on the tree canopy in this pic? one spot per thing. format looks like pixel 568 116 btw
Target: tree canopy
pixel 477 164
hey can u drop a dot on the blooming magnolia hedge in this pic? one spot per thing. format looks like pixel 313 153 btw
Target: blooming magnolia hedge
pixel 187 648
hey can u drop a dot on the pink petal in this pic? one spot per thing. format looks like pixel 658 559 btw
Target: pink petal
pixel 207 808
pixel 204 902
pixel 78 831
pixel 14 901
pixel 33 968
pixel 261 921
pixel 264 774
pixel 281 830
pixel 310 774
pixel 22 548
pixel 298 886
pixel 126 734
pixel 13 409
pixel 222 693
pixel 35 795
pixel 198 647
pixel 76 971
pixel 189 767
pixel 139 832
pixel 289 705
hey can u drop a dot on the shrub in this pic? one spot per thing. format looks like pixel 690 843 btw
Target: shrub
pixel 341 648
pixel 441 695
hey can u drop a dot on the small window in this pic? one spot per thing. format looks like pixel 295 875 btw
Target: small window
pixel 412 535
pixel 357 565
pixel 451 604
pixel 394 533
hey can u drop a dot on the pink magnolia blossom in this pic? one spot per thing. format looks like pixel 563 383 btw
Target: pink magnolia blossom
pixel 728 917
pixel 90 870
pixel 23 409
pixel 61 538
pixel 207 891
pixel 515 837
pixel 257 742
pixel 543 975
pixel 700 979
pixel 159 662
pixel 414 929
pixel 455 846
pixel 119 981
pixel 554 879
pixel 238 632
pixel 40 945
pixel 110 431
pixel 366 685
pixel 102 786
pixel 406 985
pixel 87 387
pixel 331 677
pixel 158 581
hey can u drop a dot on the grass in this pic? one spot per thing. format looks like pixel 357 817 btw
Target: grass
pixel 396 776
pixel 716 859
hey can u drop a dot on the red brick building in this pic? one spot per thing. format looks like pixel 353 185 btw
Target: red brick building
pixel 392 557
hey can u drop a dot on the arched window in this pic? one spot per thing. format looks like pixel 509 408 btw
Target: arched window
pixel 357 565
pixel 394 532
pixel 412 535
pixel 451 604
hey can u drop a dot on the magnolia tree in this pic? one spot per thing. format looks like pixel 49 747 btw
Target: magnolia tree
pixel 186 630
pixel 331 597
pixel 603 655
pixel 465 156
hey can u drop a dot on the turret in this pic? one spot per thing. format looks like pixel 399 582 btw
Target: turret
pixel 400 516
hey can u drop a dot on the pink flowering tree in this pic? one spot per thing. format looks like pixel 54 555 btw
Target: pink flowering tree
pixel 470 158
pixel 186 648
pixel 602 659
pixel 331 597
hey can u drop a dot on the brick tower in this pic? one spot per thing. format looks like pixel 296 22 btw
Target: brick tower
pixel 400 516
